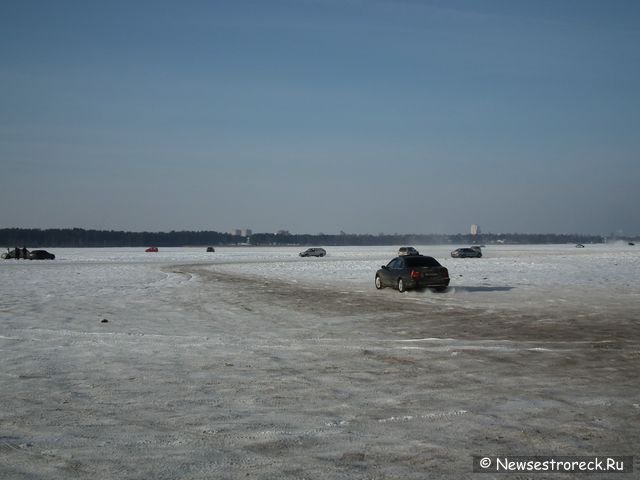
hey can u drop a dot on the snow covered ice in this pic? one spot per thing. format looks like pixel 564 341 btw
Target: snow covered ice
pixel 256 363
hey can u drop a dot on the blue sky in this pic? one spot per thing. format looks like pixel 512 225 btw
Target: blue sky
pixel 320 116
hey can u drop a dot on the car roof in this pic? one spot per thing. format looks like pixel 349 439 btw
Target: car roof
pixel 412 256
pixel 420 261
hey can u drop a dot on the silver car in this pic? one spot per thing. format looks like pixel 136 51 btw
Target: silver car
pixel 473 252
pixel 402 251
pixel 313 252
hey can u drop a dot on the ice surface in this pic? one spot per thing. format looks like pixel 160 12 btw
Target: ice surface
pixel 562 276
pixel 255 363
pixel 506 275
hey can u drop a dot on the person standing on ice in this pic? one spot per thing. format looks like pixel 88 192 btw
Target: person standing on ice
pixel 25 253
pixel 16 253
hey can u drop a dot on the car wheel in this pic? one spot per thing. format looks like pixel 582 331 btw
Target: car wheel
pixel 401 285
pixel 378 282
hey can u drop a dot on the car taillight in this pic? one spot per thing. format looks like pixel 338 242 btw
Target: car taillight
pixel 415 275
pixel 445 272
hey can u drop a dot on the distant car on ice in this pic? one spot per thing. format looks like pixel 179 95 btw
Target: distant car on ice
pixel 210 249
pixel 407 251
pixel 473 252
pixel 313 252
pixel 412 271
pixel 9 255
pixel 41 255
pixel 152 249
pixel 32 255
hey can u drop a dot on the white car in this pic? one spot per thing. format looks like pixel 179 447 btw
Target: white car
pixel 402 251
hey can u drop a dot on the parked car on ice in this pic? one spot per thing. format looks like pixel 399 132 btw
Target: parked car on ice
pixel 473 252
pixel 151 249
pixel 407 251
pixel 41 255
pixel 9 254
pixel 313 252
pixel 210 249
pixel 24 254
pixel 412 271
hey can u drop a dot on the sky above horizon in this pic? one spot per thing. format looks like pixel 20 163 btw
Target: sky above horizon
pixel 365 116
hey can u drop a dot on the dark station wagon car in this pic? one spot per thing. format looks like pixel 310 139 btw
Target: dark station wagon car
pixel 32 255
pixel 415 271
pixel 41 255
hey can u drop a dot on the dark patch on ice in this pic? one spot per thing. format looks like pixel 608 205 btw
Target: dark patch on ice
pixel 483 289
pixel 350 458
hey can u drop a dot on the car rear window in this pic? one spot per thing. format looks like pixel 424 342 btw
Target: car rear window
pixel 421 262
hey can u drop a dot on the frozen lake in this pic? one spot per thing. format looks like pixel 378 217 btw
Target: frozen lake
pixel 255 363
pixel 560 276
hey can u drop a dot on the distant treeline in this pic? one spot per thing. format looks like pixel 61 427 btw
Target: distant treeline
pixel 78 237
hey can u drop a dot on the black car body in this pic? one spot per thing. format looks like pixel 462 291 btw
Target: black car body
pixel 41 255
pixel 412 271
pixel 467 253
pixel 26 255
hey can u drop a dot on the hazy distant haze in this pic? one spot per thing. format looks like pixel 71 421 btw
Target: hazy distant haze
pixel 321 116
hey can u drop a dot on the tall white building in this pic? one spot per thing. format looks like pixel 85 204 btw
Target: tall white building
pixel 475 229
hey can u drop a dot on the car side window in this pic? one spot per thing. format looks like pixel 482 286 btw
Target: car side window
pixel 395 264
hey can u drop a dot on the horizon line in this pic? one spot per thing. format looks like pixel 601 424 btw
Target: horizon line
pixel 285 233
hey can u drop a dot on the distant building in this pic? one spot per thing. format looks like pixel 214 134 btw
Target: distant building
pixel 235 231
pixel 283 232
pixel 475 230
pixel 247 232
